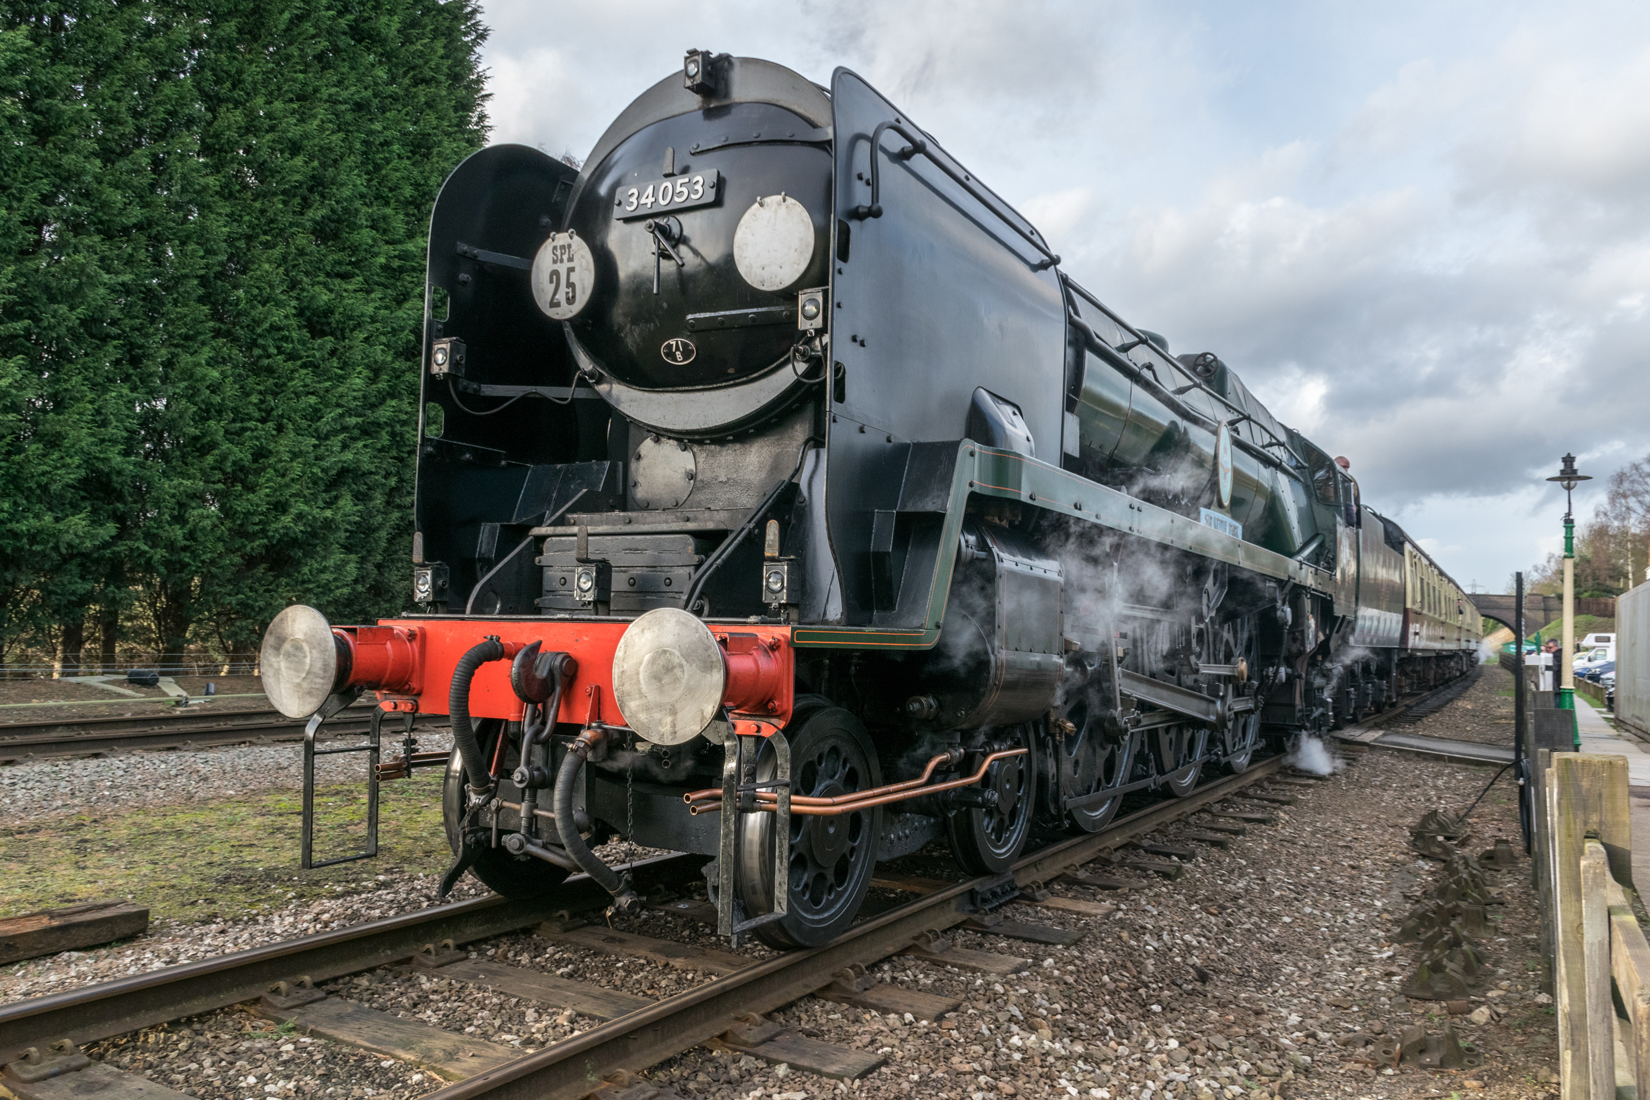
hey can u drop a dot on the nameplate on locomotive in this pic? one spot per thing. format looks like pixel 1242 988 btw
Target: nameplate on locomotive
pixel 661 196
pixel 1226 525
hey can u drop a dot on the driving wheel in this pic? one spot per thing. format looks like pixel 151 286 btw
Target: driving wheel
pixel 831 856
pixel 987 839
pixel 1241 739
pixel 1093 763
pixel 1180 751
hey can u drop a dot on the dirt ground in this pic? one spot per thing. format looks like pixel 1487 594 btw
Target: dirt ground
pixel 46 700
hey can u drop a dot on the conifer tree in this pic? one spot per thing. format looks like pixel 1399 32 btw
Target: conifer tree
pixel 211 280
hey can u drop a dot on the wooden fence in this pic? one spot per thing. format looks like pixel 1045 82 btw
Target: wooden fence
pixel 1595 945
pixel 1592 691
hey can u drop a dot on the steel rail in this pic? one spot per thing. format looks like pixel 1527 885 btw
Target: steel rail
pixel 175 992
pixel 192 717
pixel 101 735
pixel 643 1038
pixel 1381 719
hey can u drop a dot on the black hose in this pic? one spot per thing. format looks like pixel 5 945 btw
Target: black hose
pixel 603 875
pixel 1462 816
pixel 458 707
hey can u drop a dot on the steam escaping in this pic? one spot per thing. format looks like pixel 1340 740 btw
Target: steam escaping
pixel 1311 756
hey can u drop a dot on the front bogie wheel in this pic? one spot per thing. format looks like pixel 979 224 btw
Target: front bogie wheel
pixel 513 876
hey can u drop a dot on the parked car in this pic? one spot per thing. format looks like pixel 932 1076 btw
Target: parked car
pixel 1592 640
pixel 1597 671
pixel 1593 658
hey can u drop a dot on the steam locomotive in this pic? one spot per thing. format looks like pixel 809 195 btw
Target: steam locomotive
pixel 780 500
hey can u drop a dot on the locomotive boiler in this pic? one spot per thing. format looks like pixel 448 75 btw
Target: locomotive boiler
pixel 780 500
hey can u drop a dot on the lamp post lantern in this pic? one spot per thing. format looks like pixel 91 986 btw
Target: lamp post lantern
pixel 1569 478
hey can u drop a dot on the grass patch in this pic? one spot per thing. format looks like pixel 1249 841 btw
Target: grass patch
pixel 222 860
pixel 1584 625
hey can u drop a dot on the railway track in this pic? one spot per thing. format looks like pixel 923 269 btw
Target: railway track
pixel 281 976
pixel 100 736
pixel 628 1043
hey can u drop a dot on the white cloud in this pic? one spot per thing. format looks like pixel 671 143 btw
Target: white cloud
pixel 1059 214
pixel 1422 233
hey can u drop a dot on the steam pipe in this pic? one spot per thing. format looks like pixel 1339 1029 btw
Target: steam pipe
pixel 1309 549
pixel 864 800
pixel 950 756
pixel 624 897
pixel 458 706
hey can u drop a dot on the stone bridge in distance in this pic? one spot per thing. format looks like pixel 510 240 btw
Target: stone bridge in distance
pixel 1540 610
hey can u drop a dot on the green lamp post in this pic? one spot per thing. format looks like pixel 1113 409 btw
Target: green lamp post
pixel 1569 479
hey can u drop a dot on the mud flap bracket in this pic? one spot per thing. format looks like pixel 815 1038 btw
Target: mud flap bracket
pixel 730 917
pixel 332 706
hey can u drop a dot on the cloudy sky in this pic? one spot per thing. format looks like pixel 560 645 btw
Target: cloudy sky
pixel 1420 231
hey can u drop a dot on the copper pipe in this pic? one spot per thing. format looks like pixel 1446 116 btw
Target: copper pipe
pixel 864 800
pixel 950 756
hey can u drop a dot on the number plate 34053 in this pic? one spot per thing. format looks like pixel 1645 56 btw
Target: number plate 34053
pixel 662 196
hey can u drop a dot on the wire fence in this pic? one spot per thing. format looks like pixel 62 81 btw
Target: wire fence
pixel 33 667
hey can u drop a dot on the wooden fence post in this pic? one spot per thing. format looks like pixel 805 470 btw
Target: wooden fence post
pixel 1630 963
pixel 1587 799
pixel 1599 1010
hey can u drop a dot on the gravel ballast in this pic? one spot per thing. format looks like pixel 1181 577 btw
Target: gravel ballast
pixel 1235 980
pixel 1482 713
pixel 136 780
